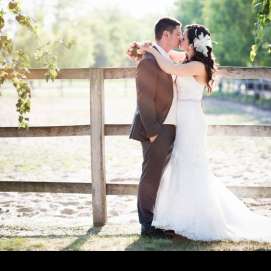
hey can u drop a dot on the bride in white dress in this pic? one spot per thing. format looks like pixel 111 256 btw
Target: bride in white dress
pixel 191 200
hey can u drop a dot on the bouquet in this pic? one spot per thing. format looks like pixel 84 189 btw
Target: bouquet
pixel 134 52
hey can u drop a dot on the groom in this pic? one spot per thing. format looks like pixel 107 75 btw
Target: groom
pixel 154 121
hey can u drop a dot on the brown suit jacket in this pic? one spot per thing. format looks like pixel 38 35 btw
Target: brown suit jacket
pixel 154 98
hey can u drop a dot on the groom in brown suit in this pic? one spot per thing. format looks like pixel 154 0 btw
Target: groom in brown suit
pixel 155 120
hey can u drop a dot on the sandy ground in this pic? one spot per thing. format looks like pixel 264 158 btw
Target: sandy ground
pixel 237 161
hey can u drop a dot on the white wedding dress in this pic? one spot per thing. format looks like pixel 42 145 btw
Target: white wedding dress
pixel 191 200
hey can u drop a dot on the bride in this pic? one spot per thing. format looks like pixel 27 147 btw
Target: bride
pixel 191 200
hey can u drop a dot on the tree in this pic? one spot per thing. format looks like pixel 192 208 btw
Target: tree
pixel 101 36
pixel 189 11
pixel 113 31
pixel 15 61
pixel 230 25
pixel 262 28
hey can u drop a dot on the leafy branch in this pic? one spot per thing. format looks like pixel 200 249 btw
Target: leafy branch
pixel 15 63
pixel 263 13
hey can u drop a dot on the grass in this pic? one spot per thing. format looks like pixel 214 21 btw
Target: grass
pixel 122 243
pixel 110 240
pixel 18 244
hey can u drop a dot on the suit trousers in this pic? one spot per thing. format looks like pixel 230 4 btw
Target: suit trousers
pixel 155 158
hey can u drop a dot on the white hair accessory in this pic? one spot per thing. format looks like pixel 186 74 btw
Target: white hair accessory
pixel 201 43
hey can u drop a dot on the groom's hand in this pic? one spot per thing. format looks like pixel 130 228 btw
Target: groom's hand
pixel 153 138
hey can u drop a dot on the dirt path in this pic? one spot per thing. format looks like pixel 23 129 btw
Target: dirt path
pixel 237 161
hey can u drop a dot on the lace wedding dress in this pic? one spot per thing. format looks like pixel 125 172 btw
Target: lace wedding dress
pixel 191 200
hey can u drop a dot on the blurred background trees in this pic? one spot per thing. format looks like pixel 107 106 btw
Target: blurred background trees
pixel 232 25
pixel 100 36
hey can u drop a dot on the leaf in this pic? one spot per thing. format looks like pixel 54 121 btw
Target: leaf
pixel 253 52
pixel 2 21
pixel 14 6
pixel 26 21
pixel 15 62
pixel 263 15
pixel 70 44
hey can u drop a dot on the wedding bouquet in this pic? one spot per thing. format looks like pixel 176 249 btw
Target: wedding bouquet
pixel 133 51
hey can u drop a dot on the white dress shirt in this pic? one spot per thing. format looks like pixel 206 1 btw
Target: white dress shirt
pixel 171 116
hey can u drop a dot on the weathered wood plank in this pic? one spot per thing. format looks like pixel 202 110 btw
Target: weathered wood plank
pixel 48 131
pixel 97 147
pixel 130 72
pixel 117 129
pixel 45 187
pixel 82 73
pixel 119 73
pixel 240 130
pixel 75 130
pixel 123 129
pixel 245 73
pixel 120 188
pixel 66 187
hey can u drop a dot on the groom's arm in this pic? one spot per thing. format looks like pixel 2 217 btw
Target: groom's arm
pixel 146 83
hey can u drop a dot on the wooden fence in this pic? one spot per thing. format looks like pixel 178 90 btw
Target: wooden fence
pixel 97 130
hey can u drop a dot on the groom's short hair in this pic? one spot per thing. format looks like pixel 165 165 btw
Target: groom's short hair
pixel 165 24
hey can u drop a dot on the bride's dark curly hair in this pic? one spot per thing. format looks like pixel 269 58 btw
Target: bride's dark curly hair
pixel 194 31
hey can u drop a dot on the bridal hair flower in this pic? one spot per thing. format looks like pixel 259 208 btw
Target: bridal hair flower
pixel 201 43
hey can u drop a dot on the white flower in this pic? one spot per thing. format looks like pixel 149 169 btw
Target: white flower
pixel 202 42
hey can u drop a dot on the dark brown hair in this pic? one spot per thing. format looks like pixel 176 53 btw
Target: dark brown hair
pixel 193 31
pixel 165 24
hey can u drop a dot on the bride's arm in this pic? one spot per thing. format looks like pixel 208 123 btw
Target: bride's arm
pixel 176 56
pixel 188 69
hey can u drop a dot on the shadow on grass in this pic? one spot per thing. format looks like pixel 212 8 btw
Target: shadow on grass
pixel 132 242
pixel 175 244
pixel 79 242
pixel 94 241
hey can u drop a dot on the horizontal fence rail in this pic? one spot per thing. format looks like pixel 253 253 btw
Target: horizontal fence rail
pixel 83 73
pixel 130 72
pixel 123 129
pixel 98 186
pixel 116 188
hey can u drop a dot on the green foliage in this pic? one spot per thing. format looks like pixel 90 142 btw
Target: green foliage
pixel 262 40
pixel 230 23
pixel 189 11
pixel 100 38
pixel 97 40
pixel 113 31
pixel 16 61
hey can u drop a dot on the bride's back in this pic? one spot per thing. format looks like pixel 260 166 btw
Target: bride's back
pixel 188 88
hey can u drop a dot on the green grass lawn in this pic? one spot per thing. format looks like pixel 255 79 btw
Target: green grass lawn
pixel 111 240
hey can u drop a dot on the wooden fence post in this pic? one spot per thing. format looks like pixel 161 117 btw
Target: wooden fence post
pixel 97 147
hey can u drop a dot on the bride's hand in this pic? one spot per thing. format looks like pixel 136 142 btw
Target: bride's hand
pixel 136 50
pixel 145 47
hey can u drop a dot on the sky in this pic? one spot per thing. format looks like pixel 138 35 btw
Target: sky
pixel 139 7
pixel 136 8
